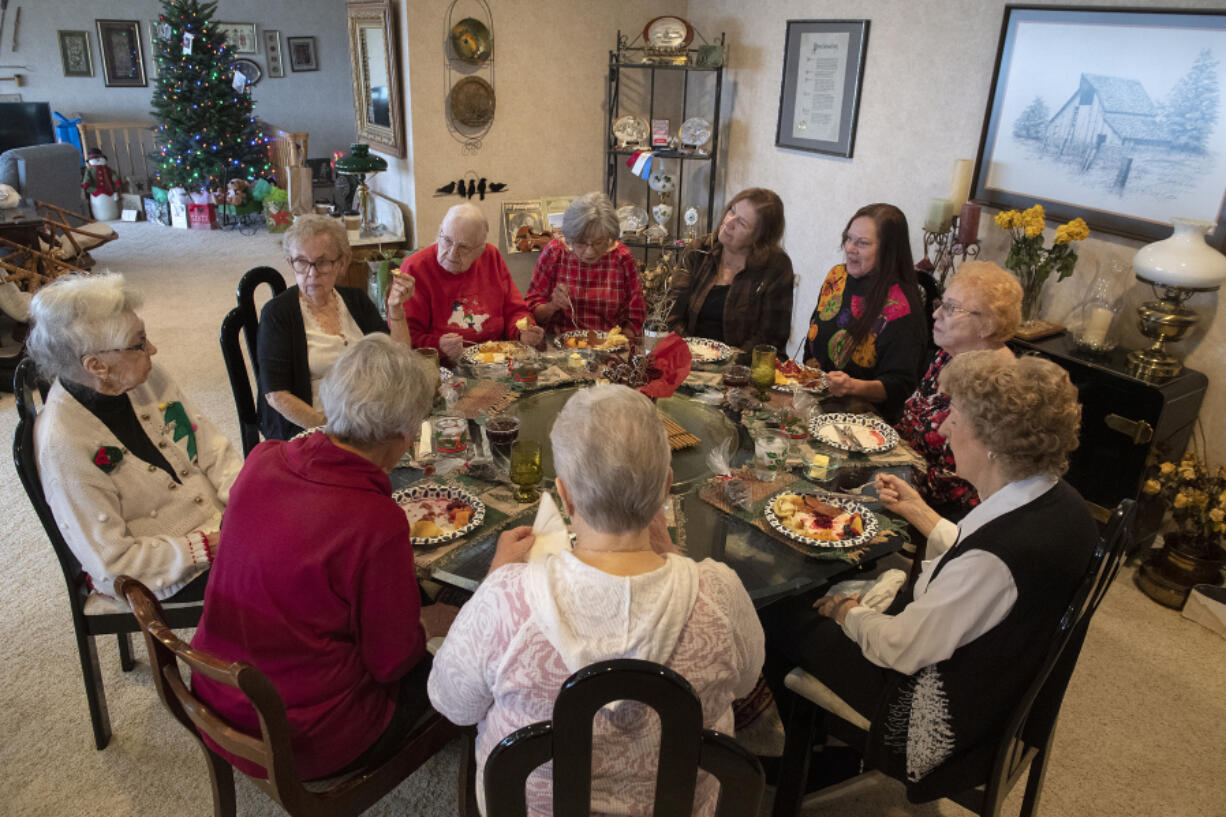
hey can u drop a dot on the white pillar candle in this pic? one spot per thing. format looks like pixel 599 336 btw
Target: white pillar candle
pixel 960 185
pixel 1097 326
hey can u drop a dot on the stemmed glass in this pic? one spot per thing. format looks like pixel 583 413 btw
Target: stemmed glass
pixel 526 469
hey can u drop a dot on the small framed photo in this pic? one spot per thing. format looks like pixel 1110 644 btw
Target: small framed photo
pixel 302 54
pixel 75 54
pixel 240 36
pixel 819 98
pixel 123 56
pixel 272 53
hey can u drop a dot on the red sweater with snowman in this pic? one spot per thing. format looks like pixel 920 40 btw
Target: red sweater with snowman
pixel 479 304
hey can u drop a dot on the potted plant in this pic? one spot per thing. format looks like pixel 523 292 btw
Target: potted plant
pixel 1192 549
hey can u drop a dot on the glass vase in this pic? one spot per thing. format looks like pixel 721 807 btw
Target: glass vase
pixel 1032 288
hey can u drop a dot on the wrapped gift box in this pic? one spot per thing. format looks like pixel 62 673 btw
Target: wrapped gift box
pixel 278 215
pixel 202 216
pixel 157 211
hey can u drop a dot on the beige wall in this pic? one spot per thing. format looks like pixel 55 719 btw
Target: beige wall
pixel 926 84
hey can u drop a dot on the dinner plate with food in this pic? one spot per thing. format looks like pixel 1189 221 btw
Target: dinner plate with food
pixel 610 341
pixel 439 513
pixel 705 350
pixel 494 351
pixel 857 433
pixel 791 375
pixel 820 520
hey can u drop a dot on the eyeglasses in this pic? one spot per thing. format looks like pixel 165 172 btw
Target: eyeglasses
pixel 859 243
pixel 446 245
pixel 143 346
pixel 949 309
pixel 595 244
pixel 302 266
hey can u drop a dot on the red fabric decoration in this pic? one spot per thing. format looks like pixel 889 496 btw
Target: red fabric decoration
pixel 672 358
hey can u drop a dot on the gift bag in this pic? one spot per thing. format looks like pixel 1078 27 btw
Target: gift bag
pixel 300 188
pixel 156 211
pixel 202 216
pixel 277 214
pixel 132 202
pixel 178 215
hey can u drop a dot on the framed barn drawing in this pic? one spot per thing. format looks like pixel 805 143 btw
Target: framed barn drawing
pixel 1116 116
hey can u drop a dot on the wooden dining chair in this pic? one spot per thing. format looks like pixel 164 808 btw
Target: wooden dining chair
pixel 244 320
pixel 271 750
pixel 1025 741
pixel 566 739
pixel 93 614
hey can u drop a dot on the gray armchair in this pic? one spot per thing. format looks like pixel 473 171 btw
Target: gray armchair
pixel 50 173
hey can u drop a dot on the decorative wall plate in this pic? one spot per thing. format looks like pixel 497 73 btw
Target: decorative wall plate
pixel 249 69
pixel 472 102
pixel 471 41
pixel 668 33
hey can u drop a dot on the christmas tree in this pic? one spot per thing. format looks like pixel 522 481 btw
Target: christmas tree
pixel 206 133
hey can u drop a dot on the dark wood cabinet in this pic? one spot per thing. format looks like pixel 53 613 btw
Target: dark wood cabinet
pixel 1126 423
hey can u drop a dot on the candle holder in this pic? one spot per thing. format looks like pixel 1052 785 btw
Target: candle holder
pixel 948 248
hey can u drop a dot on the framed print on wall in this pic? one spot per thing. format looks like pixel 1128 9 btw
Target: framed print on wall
pixel 1115 116
pixel 302 53
pixel 240 36
pixel 123 57
pixel 75 53
pixel 272 53
pixel 819 97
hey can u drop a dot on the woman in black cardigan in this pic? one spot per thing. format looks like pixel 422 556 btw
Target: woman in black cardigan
pixel 304 329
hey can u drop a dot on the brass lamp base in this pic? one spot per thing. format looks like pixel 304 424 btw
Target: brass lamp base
pixel 1162 320
pixel 1153 366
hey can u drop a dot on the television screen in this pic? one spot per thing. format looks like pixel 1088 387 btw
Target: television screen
pixel 25 123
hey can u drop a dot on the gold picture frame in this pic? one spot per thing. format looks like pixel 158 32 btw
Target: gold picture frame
pixel 75 54
pixel 374 58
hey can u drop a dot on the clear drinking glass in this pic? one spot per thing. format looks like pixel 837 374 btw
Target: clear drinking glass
pixel 526 469
pixel 770 455
pixel 449 435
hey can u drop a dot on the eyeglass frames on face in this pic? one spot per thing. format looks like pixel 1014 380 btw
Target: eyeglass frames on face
pixel 447 244
pixel 949 309
pixel 137 347
pixel 303 266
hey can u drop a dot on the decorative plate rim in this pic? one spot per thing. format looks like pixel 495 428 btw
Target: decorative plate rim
pixel 869 519
pixel 845 418
pixel 646 129
pixel 724 349
pixel 469 355
pixel 452 492
pixel 583 333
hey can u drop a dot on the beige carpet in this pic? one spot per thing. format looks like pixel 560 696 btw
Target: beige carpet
pixel 1143 730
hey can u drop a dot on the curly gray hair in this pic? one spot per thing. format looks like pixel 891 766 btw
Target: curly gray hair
pixel 376 390
pixel 589 214
pixel 77 315
pixel 611 450
pixel 309 225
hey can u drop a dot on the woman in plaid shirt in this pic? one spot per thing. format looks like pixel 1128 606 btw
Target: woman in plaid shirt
pixel 589 280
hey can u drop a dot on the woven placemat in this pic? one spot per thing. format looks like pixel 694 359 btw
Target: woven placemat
pixel 678 437
pixel 712 492
pixel 489 396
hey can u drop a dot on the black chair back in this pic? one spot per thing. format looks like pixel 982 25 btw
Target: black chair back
pixel 685 746
pixel 28 388
pixel 245 320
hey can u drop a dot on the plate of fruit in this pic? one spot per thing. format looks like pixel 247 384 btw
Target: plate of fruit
pixel 590 339
pixel 439 513
pixel 791 375
pixel 820 520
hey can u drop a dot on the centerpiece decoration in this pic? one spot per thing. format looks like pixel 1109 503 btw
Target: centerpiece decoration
pixel 1192 552
pixel 659 296
pixel 1033 263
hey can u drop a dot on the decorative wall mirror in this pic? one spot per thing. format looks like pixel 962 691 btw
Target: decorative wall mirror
pixel 375 61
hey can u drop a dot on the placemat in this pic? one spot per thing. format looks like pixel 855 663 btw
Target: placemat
pixel 678 437
pixel 712 492
pixel 489 396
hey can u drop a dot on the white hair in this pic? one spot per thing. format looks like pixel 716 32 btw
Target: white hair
pixel 309 225
pixel 611 450
pixel 77 315
pixel 466 212
pixel 377 389
pixel 591 210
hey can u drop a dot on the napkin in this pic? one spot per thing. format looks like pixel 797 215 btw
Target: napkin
pixel 551 534
pixel 673 360
pixel 424 445
pixel 877 593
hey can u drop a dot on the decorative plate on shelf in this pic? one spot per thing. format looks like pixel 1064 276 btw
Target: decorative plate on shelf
pixel 631 219
pixel 471 41
pixel 439 513
pixel 820 520
pixel 705 350
pixel 871 433
pixel 630 130
pixel 494 351
pixel 472 102
pixel 695 132
pixel 668 33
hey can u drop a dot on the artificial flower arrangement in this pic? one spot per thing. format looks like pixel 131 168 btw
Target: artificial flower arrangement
pixel 1029 260
pixel 1197 501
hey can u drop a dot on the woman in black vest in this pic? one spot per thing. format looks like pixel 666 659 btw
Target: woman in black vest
pixel 937 678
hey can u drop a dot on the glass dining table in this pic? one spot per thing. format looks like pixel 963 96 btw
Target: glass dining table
pixel 769 568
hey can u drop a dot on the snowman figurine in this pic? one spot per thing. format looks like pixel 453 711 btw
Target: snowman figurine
pixel 102 184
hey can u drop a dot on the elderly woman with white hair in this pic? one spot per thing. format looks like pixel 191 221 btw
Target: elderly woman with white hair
pixel 136 477
pixel 463 289
pixel 316 585
pixel 622 592
pixel 306 328
pixel 588 279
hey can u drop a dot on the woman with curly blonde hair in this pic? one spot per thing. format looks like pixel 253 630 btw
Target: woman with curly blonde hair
pixel 934 677
pixel 981 309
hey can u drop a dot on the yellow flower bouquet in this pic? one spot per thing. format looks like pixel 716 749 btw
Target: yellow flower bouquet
pixel 1033 263
pixel 1197 501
